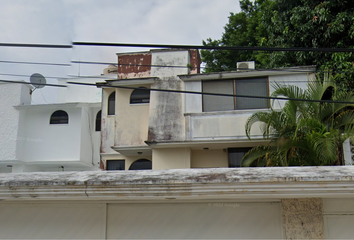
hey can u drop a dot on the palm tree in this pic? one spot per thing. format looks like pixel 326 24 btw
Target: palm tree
pixel 304 133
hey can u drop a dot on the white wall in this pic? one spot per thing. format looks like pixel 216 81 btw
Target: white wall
pixel 10 118
pixel 108 129
pixel 169 58
pixel 51 142
pixel 81 93
pixel 299 80
pixel 228 124
pixel 52 221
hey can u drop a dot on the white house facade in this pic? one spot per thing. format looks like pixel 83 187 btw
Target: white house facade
pixel 61 136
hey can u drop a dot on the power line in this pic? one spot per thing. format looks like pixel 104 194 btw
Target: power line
pixel 37 63
pixel 176 46
pixel 185 92
pixel 34 45
pixel 72 77
pixel 215 94
pixel 28 83
pixel 161 66
pixel 235 48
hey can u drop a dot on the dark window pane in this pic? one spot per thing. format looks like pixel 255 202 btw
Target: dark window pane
pixel 113 165
pixel 218 103
pixel 112 104
pixel 59 117
pixel 141 164
pixel 236 155
pixel 98 121
pixel 141 95
pixel 252 87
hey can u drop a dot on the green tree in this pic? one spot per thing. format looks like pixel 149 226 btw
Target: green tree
pixel 312 24
pixel 243 29
pixel 289 23
pixel 304 132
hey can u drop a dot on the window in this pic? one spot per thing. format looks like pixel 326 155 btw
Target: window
pixel 141 164
pixel 59 117
pixel 236 155
pixel 112 104
pixel 114 165
pixel 98 121
pixel 141 95
pixel 250 86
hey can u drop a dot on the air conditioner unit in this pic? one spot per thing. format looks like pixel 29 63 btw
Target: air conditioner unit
pixel 242 66
pixel 348 149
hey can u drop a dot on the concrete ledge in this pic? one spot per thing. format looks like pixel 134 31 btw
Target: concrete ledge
pixel 183 184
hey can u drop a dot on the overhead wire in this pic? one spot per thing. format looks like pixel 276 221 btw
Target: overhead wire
pixel 28 83
pixel 184 92
pixel 176 46
pixel 238 48
pixel 214 94
pixel 37 63
pixel 285 69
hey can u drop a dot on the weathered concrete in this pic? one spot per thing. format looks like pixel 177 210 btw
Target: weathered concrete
pixel 303 218
pixel 134 65
pixel 183 184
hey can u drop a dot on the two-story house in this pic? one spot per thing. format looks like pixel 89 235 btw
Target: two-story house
pixel 147 127
pixel 190 140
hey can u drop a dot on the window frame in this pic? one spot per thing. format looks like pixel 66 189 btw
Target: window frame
pixel 114 160
pixel 234 82
pixel 111 104
pixel 139 99
pixel 98 121
pixel 237 150
pixel 138 161
pixel 60 119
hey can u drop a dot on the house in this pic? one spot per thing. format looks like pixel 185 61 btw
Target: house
pixel 193 143
pixel 60 136
pixel 166 130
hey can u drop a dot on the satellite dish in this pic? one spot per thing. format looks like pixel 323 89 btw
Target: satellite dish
pixel 37 80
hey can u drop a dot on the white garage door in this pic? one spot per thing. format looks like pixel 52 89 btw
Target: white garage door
pixel 339 218
pixel 194 221
pixel 52 221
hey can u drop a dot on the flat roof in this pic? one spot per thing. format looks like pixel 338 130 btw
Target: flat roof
pixel 248 73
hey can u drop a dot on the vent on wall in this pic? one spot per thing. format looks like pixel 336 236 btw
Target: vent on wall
pixel 241 66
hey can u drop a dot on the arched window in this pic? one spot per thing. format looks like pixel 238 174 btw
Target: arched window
pixel 112 104
pixel 141 95
pixel 141 164
pixel 98 121
pixel 59 117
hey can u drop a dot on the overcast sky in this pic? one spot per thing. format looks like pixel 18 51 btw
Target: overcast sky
pixel 120 21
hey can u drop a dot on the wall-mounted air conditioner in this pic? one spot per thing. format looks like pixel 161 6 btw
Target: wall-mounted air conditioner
pixel 242 66
pixel 348 149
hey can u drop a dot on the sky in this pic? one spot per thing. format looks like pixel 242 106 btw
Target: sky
pixel 118 21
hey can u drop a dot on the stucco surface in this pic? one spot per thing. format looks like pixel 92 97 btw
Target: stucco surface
pixel 10 95
pixel 216 175
pixel 303 218
pixel 182 184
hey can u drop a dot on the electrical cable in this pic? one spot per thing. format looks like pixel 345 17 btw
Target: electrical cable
pixel 34 45
pixel 215 94
pixel 28 83
pixel 187 92
pixel 37 63
pixel 178 46
pixel 235 48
